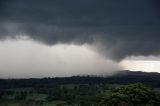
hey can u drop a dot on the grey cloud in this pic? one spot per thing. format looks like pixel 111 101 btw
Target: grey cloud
pixel 123 27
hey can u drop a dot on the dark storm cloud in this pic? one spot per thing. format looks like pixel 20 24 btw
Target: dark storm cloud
pixel 123 27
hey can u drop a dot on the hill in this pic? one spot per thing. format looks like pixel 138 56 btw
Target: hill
pixel 122 77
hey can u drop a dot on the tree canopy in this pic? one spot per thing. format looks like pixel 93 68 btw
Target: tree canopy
pixel 131 95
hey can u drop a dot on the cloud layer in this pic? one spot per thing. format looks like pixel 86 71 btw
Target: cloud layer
pixel 27 59
pixel 120 28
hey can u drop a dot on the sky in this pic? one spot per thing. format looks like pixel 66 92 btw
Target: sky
pixel 49 38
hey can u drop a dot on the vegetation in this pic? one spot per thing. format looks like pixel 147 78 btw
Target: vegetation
pixel 81 91
pixel 132 95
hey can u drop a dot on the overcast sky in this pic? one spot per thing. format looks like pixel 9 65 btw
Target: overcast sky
pixel 40 38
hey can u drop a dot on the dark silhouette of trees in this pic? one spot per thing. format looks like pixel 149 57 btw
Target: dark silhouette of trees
pixel 123 77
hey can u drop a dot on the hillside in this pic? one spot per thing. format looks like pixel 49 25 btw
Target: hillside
pixel 122 77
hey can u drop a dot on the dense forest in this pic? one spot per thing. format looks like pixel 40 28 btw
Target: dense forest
pixel 126 88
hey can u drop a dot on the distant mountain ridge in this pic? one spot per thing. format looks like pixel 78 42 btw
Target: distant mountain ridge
pixel 137 73
pixel 121 77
